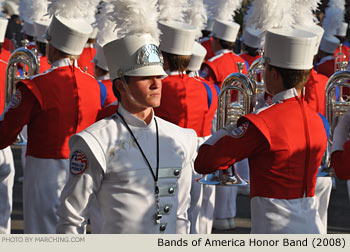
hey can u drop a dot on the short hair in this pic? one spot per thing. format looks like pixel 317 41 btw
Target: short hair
pixel 226 44
pixel 292 78
pixel 177 62
pixel 114 87
pixel 41 47
pixel 251 50
pixel 66 55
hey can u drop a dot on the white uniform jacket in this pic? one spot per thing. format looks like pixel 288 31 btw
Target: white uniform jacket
pixel 105 162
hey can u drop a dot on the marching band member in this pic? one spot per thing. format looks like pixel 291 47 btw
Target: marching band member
pixel 53 113
pixel 184 99
pixel 137 165
pixel 27 13
pixel 253 40
pixel 325 62
pixel 7 168
pixel 10 8
pixel 217 68
pixel 283 163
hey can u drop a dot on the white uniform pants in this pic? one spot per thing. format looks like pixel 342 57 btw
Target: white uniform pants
pixel 43 182
pixel 206 214
pixel 7 175
pixel 323 193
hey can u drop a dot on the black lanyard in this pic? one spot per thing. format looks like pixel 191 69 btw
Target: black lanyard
pixel 155 176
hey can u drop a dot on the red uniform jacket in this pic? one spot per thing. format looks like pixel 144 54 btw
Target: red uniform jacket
pixel 184 102
pixel 220 66
pixel 8 44
pixel 340 161
pixel 284 144
pixel 207 44
pixel 5 55
pixel 44 65
pixel 248 58
pixel 3 66
pixel 212 103
pixel 85 60
pixel 110 98
pixel 315 92
pixel 54 105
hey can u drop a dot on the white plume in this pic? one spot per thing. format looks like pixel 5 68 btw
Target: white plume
pixel 135 17
pixel 210 6
pixel 106 27
pixel 73 8
pixel 267 14
pixel 225 9
pixel 332 21
pixel 32 10
pixel 173 10
pixel 196 16
pixel 303 12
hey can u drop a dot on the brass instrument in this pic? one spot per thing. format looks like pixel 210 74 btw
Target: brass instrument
pixel 29 62
pixel 336 106
pixel 229 112
pixel 255 73
pixel 339 59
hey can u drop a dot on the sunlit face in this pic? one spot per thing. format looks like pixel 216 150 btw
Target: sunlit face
pixel 146 90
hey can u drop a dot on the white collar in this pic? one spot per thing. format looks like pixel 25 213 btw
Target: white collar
pixel 284 95
pixel 103 77
pixel 222 51
pixel 174 72
pixel 132 120
pixel 193 74
pixel 63 62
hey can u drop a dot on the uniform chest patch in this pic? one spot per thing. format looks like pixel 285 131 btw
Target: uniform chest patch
pixel 16 99
pixel 240 131
pixel 78 163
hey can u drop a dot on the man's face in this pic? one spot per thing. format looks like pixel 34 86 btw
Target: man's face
pixel 145 90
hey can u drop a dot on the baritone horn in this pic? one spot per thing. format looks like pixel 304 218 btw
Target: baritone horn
pixel 337 104
pixel 23 63
pixel 228 112
pixel 255 73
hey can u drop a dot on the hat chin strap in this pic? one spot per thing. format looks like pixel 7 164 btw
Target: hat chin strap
pixel 126 87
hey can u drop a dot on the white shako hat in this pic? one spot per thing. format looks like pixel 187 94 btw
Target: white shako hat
pixel 198 54
pixel 3 26
pixel 341 31
pixel 253 37
pixel 317 30
pixel 290 48
pixel 40 28
pixel 68 35
pixel 134 55
pixel 99 59
pixel 28 28
pixel 93 35
pixel 225 30
pixel 329 44
pixel 176 38
pixel 11 7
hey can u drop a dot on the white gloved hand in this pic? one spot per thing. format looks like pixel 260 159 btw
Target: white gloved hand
pixel 341 132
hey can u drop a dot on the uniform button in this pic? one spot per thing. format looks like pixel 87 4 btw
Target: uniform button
pixel 171 190
pixel 162 227
pixel 177 172
pixel 166 209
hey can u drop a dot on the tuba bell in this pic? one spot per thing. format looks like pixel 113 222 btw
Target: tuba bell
pixel 229 112
pixel 28 61
pixel 255 72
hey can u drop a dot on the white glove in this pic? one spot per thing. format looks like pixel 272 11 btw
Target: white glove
pixel 341 132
